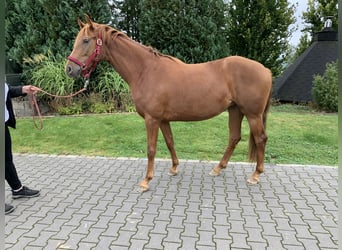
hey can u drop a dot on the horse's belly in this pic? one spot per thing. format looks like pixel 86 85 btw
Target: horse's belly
pixel 195 111
pixel 184 101
pixel 191 117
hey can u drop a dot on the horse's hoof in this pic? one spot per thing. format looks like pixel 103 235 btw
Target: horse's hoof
pixel 172 173
pixel 252 181
pixel 214 173
pixel 142 189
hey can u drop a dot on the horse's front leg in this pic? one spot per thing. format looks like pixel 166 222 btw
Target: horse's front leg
pixel 167 133
pixel 152 127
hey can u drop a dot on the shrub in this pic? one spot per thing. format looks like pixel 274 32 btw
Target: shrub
pixel 48 74
pixel 107 91
pixel 113 88
pixel 325 89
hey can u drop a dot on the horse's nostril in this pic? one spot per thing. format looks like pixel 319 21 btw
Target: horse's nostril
pixel 69 69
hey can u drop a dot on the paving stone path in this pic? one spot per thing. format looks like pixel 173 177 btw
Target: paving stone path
pixel 93 203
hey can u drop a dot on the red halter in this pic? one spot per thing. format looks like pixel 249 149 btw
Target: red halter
pixel 92 60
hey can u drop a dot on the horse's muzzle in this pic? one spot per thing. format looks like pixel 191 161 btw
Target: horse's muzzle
pixel 73 71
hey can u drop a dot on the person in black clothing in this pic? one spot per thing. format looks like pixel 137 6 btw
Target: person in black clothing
pixel 11 176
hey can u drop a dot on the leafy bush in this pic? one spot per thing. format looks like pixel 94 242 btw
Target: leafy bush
pixel 72 108
pixel 325 89
pixel 113 88
pixel 48 74
pixel 92 103
pixel 107 91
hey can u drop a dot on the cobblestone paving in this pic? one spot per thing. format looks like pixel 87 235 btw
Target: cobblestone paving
pixel 93 203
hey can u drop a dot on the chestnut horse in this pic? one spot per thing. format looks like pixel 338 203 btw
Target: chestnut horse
pixel 165 89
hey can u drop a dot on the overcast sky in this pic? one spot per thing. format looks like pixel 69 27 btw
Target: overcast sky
pixel 302 5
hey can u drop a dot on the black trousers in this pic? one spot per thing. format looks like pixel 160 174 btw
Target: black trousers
pixel 10 171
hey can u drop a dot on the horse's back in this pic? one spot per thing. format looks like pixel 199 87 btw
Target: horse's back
pixel 179 91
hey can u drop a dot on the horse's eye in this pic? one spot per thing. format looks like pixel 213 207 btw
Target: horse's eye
pixel 86 40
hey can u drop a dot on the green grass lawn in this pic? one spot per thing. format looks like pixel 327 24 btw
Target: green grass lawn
pixel 297 135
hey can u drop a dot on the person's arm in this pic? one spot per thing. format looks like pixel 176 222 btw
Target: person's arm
pixel 16 91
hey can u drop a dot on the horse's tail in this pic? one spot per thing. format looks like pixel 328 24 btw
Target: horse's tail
pixel 252 153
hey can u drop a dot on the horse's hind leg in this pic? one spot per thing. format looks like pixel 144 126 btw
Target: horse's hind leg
pixel 257 146
pixel 167 133
pixel 235 120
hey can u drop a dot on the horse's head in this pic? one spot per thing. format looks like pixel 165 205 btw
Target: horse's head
pixel 87 47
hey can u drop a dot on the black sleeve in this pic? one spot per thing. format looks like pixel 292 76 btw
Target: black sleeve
pixel 15 91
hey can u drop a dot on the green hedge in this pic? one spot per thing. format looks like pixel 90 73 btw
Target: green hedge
pixel 325 89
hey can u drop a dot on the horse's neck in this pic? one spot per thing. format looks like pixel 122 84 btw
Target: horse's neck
pixel 128 58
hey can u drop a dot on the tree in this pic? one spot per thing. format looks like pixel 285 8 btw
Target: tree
pixel 192 30
pixel 318 11
pixel 260 30
pixel 127 13
pixel 304 43
pixel 47 26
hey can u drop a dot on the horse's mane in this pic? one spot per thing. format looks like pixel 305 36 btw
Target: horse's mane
pixel 158 53
pixel 116 33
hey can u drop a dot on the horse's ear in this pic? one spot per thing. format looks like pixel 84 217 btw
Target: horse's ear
pixel 88 20
pixel 80 23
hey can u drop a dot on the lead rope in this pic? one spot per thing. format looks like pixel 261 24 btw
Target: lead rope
pixel 35 107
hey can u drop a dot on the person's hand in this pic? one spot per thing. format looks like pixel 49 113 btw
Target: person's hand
pixel 30 89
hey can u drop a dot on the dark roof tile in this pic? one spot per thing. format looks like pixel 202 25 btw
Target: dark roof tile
pixel 295 84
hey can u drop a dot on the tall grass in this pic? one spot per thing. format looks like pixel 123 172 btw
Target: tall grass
pixel 109 82
pixel 106 86
pixel 48 74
